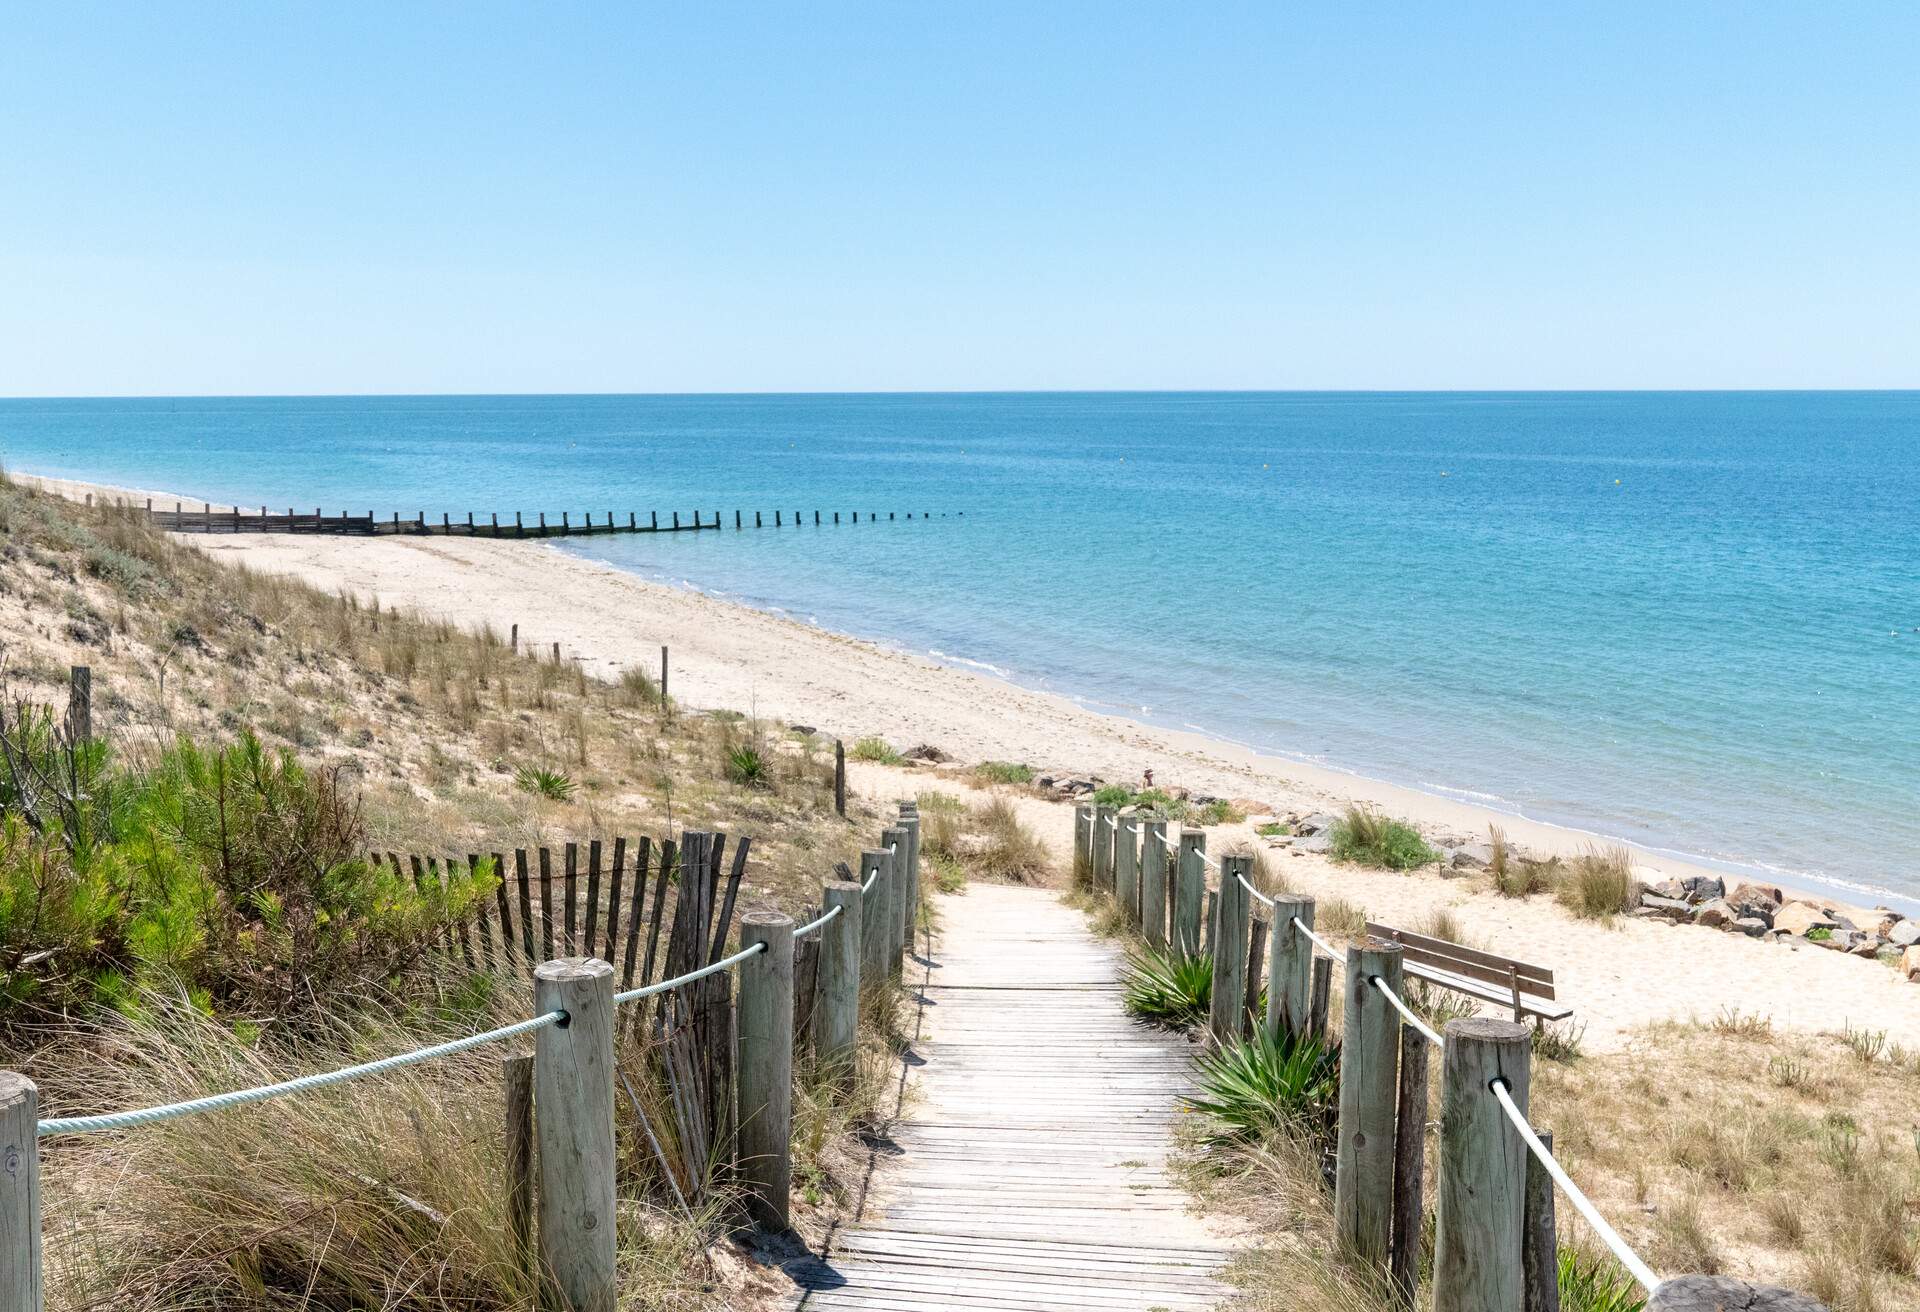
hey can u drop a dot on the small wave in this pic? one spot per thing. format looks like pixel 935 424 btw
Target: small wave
pixel 990 668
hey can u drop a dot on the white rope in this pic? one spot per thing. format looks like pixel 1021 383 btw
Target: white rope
pixel 812 925
pixel 1405 1011
pixel 872 879
pixel 1628 1258
pixel 1319 942
pixel 1251 889
pixel 219 1101
pixel 692 975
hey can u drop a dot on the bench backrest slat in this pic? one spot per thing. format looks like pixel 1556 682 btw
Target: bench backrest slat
pixel 1469 962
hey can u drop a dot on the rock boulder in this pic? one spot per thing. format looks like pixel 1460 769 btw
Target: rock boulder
pixel 1799 917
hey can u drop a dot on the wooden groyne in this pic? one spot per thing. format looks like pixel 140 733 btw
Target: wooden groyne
pixel 522 524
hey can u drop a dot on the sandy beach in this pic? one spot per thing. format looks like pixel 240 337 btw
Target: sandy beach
pixel 723 655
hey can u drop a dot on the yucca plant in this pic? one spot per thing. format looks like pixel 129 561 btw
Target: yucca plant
pixel 542 782
pixel 1263 1083
pixel 1167 988
pixel 745 765
pixel 1596 1285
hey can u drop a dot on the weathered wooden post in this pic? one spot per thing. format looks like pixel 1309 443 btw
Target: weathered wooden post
pixel 1539 1243
pixel 836 1018
pixel 1103 822
pixel 840 778
pixel 1481 1201
pixel 663 674
pixel 516 1075
pixel 1227 1007
pixel 1126 866
pixel 1409 1169
pixel 1290 966
pixel 1189 892
pixel 80 703
pixel 1369 1087
pixel 1153 880
pixel 876 917
pixel 910 821
pixel 21 1281
pixel 900 930
pixel 765 1018
pixel 573 1095
pixel 1082 844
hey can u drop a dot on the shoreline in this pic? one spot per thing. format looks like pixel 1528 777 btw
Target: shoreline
pixel 977 715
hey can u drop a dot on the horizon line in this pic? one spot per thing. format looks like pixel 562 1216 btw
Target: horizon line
pixel 973 391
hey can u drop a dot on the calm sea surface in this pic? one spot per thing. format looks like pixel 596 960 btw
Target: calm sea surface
pixel 1692 620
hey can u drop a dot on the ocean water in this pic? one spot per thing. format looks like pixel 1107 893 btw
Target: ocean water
pixel 1691 620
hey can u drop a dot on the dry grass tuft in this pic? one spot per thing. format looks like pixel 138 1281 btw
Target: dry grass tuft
pixel 1599 884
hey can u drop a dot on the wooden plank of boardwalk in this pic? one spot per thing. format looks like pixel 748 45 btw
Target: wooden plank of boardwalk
pixel 1031 1163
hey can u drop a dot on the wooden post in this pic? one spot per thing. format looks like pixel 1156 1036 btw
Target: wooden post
pixel 1539 1243
pixel 1153 880
pixel 516 1075
pixel 573 1089
pixel 80 703
pixel 1189 892
pixel 1256 960
pixel 21 1281
pixel 1369 1066
pixel 1409 1166
pixel 765 1019
pixel 876 917
pixel 836 1017
pixel 897 912
pixel 1226 1009
pixel 1290 966
pixel 910 821
pixel 1126 866
pixel 1322 998
pixel 663 674
pixel 1103 821
pixel 840 778
pixel 1481 1201
pixel 1083 844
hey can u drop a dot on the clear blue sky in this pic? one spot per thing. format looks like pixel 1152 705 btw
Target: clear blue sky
pixel 269 198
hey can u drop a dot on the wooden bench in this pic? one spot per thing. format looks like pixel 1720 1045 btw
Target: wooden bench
pixel 1527 989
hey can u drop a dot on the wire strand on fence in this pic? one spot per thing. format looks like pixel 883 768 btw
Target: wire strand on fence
pixel 713 968
pixel 1405 1011
pixel 1628 1258
pixel 239 1097
pixel 812 925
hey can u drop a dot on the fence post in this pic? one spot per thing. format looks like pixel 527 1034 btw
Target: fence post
pixel 1103 822
pixel 1082 844
pixel 80 703
pixel 573 1091
pixel 840 778
pixel 1289 966
pixel 876 918
pixel 1369 1066
pixel 1481 1201
pixel 1227 1007
pixel 1539 1244
pixel 910 821
pixel 897 912
pixel 1189 892
pixel 1409 1168
pixel 836 1017
pixel 765 1019
pixel 516 1073
pixel 1153 880
pixel 1126 866
pixel 663 676
pixel 21 1284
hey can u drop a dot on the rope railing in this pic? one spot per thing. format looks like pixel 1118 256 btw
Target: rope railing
pixel 1628 1258
pixel 240 1097
pixel 1406 1012
pixel 712 968
pixel 813 925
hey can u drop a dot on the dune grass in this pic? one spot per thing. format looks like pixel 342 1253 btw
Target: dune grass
pixel 1367 837
pixel 1598 884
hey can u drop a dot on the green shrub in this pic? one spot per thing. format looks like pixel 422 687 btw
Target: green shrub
pixel 1273 829
pixel 1113 795
pixel 1368 838
pixel 1261 1084
pixel 1003 772
pixel 1596 1285
pixel 1167 988
pixel 557 785
pixel 1221 812
pixel 746 766
pixel 875 749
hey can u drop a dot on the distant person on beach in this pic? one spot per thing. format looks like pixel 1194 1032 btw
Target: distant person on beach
pixel 1148 775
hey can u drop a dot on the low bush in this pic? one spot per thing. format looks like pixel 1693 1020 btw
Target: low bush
pixel 1598 884
pixel 875 749
pixel 1261 1085
pixel 1366 837
pixel 1003 772
pixel 1167 988
pixel 1007 848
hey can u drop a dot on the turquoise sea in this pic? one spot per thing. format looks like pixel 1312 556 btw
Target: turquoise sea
pixel 1688 619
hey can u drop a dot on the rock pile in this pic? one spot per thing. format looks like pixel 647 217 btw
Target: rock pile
pixel 1765 912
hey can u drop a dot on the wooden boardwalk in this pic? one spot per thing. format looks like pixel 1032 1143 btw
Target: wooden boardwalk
pixel 1031 1165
